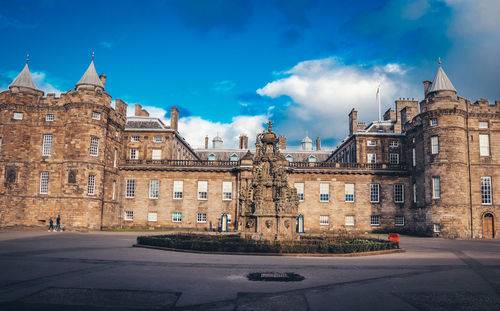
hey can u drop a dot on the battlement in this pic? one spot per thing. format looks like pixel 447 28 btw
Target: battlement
pixel 484 106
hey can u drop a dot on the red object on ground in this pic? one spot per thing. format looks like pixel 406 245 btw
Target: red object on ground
pixel 394 237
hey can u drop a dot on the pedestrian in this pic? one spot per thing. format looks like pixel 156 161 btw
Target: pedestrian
pixel 51 224
pixel 58 223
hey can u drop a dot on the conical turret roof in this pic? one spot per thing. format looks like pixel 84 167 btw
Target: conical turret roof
pixel 90 77
pixel 441 82
pixel 24 79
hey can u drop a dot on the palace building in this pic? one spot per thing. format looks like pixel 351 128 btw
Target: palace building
pixel 430 167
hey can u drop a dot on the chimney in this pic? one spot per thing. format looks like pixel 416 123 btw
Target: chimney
pixel 427 84
pixel 318 144
pixel 282 142
pixel 138 109
pixel 206 142
pixel 243 141
pixel 102 77
pixel 174 118
pixel 353 121
pixel 389 115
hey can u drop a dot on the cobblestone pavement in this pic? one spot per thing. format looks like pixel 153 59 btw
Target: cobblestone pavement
pixel 102 271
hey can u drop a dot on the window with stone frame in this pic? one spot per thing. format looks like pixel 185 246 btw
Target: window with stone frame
pixel 128 215
pixel 178 189
pixel 17 116
pixel 135 138
pixel 437 228
pixel 374 193
pixel 96 115
pixel 227 190
pixel 176 217
pixel 201 218
pixel 202 189
pixel 399 193
pixel 130 188
pixel 375 220
pixel 300 191
pixel 49 117
pixel 156 154
pixel 324 192
pixel 44 182
pixel 154 188
pixel 484 145
pixel 434 121
pixel 436 188
pixel 72 177
pixel 371 158
pixel 393 143
pixel 324 220
pixel 486 195
pixel 94 146
pixel 349 192
pixel 414 193
pixel 91 185
pixel 399 221
pixel 434 145
pixel 371 143
pixel 47 145
pixel 394 158
pixel 349 220
pixel 152 216
pixel 157 139
pixel 10 175
pixel 414 157
pixel 134 154
pixel 483 124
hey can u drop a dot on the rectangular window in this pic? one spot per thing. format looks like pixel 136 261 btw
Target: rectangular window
pixel 91 185
pixel 94 146
pixel 178 187
pixel 399 220
pixel 324 220
pixel 115 157
pixel 349 192
pixel 129 216
pixel 375 220
pixel 47 145
pixel 434 145
pixel 96 115
pixel 486 196
pixel 49 117
pixel 437 228
pixel 394 158
pixel 44 182
pixel 483 124
pixel 414 157
pixel 300 191
pixel 399 193
pixel 114 191
pixel 201 218
pixel 135 138
pixel 134 154
pixel 156 154
pixel 414 193
pixel 153 216
pixel 371 143
pixel 436 188
pixel 484 145
pixel 394 144
pixel 349 220
pixel 17 116
pixel 434 122
pixel 324 192
pixel 154 188
pixel 130 188
pixel 157 139
pixel 227 190
pixel 374 193
pixel 371 158
pixel 176 217
pixel 202 189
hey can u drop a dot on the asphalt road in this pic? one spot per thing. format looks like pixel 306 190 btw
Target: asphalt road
pixel 102 271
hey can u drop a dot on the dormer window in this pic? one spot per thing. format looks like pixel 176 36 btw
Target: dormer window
pixel 135 138
pixel 234 157
pixel 96 115
pixel 311 158
pixel 289 158
pixel 212 157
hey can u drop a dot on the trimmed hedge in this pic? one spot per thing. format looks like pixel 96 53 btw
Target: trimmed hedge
pixel 236 244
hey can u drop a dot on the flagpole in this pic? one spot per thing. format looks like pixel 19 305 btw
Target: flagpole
pixel 379 105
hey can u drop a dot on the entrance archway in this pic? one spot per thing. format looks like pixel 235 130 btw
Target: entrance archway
pixel 488 226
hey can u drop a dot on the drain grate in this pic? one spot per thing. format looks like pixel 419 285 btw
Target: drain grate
pixel 275 276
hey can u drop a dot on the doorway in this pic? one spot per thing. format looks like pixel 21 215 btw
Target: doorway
pixel 488 226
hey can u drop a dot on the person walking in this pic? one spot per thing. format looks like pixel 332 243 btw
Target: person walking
pixel 58 223
pixel 51 224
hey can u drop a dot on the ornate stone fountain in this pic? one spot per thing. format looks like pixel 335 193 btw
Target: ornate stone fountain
pixel 268 205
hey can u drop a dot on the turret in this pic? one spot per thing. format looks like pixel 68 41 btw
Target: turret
pixel 90 80
pixel 23 83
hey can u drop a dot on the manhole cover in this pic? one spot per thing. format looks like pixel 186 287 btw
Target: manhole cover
pixel 275 276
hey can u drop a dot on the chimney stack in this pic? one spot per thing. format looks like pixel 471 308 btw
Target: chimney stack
pixel 206 142
pixel 318 144
pixel 243 141
pixel 353 121
pixel 282 142
pixel 102 77
pixel 174 118
pixel 427 84
pixel 139 112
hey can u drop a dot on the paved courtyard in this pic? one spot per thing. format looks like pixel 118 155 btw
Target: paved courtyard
pixel 102 271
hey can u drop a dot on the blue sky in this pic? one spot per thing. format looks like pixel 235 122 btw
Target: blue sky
pixel 231 65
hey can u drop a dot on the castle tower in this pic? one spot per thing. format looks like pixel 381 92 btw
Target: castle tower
pixel 307 143
pixel 217 142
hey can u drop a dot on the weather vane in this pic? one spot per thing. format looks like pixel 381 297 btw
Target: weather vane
pixel 27 58
pixel 270 126
pixel 93 55
pixel 439 60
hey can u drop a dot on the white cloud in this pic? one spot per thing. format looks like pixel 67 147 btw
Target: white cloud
pixel 194 128
pixel 106 44
pixel 325 90
pixel 39 78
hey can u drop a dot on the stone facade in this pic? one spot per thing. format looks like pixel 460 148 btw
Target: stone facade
pixel 430 167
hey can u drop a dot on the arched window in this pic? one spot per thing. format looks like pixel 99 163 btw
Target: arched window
pixel 289 158
pixel 212 157
pixel 311 158
pixel 234 157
